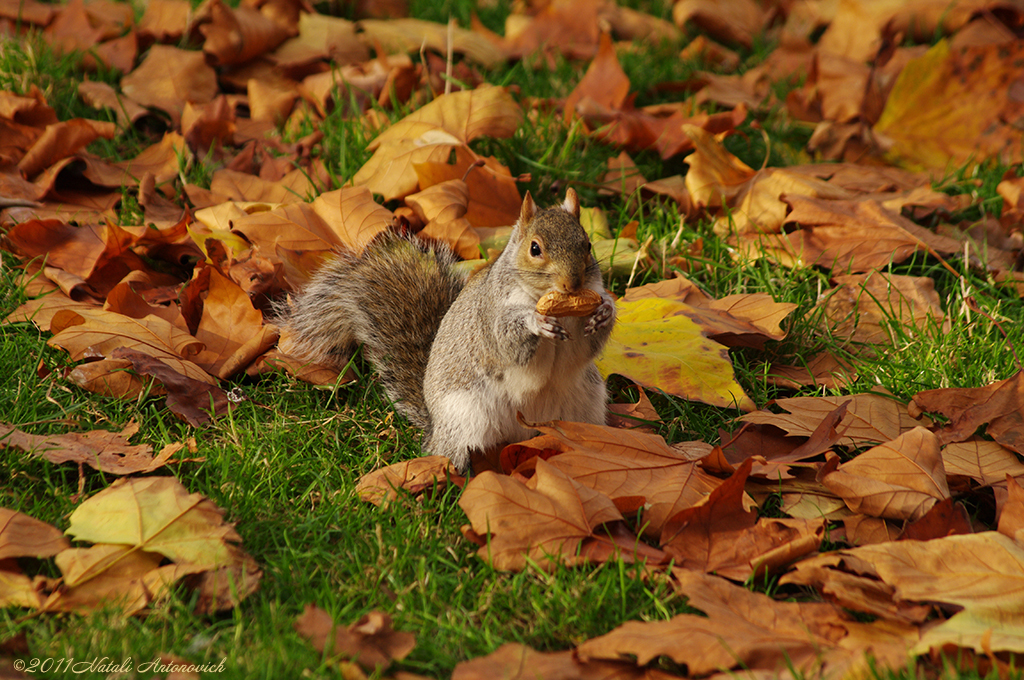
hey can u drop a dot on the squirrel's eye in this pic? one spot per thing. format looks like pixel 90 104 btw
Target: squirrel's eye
pixel 534 249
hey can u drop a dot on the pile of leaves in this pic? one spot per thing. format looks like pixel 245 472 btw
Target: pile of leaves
pixel 178 302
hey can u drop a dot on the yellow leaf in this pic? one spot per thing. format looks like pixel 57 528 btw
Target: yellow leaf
pixel 656 345
pixel 158 515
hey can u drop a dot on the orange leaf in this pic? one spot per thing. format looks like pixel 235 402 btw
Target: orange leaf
pixel 901 479
pixel 428 134
pixel 1000 405
pixel 544 521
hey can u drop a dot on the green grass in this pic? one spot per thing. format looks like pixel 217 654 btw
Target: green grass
pixel 284 464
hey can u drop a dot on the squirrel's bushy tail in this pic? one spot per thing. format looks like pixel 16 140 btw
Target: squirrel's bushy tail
pixel 390 299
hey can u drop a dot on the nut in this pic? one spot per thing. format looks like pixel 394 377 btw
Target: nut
pixel 557 303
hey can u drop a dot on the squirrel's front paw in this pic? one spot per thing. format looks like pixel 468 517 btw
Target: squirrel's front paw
pixel 601 317
pixel 549 327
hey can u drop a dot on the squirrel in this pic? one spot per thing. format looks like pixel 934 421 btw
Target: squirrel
pixel 461 358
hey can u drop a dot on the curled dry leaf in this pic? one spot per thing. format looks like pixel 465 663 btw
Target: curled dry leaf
pixel 428 135
pixel 370 642
pixel 628 464
pixel 999 405
pixel 723 537
pixel 413 476
pixel 871 418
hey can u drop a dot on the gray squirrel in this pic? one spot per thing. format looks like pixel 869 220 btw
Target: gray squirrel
pixel 461 358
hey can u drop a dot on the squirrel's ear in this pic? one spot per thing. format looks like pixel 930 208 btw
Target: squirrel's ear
pixel 528 210
pixel 572 202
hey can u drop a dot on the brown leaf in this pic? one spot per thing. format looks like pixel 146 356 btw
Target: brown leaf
pixel 237 34
pixel 604 83
pixel 164 21
pixel 494 199
pixel 999 405
pixel 100 449
pixel 1011 515
pixel 871 418
pixel 429 133
pixel 24 536
pixel 979 572
pixel 513 661
pixel 413 476
pixel 168 78
pixel 412 35
pixel 371 641
pixel 853 591
pixel 626 464
pixel 544 521
pixel 883 309
pixel 983 461
pixel 733 21
pixel 901 479
pixel 944 519
pixel 190 398
pixel 231 329
pixel 61 140
pixel 741 629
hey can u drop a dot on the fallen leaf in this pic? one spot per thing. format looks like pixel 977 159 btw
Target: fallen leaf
pixel 544 521
pixel 953 106
pixel 999 405
pixel 413 476
pixel 878 308
pixel 984 461
pixel 371 641
pixel 100 449
pixel 168 78
pixel 159 515
pixel 197 401
pixel 231 330
pixel 429 133
pixel 740 628
pixel 656 345
pixel 25 536
pixel 871 418
pixel 514 661
pixel 237 34
pixel 901 479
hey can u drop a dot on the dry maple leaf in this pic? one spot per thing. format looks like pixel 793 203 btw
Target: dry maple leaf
pixel 741 629
pixel 412 476
pixel 870 419
pixel 882 308
pixel 901 479
pixel 231 329
pixel 513 661
pixel 546 520
pixel 429 133
pixel 983 573
pixel 168 78
pixel 100 449
pixel 999 405
pixel 627 464
pixel 723 537
pixel 370 642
